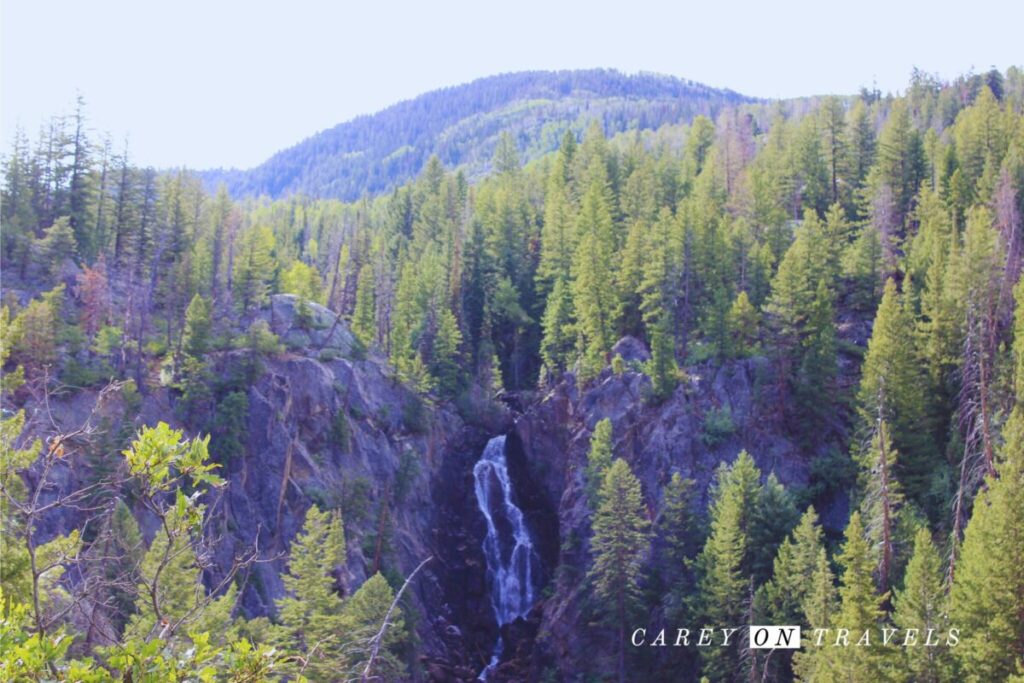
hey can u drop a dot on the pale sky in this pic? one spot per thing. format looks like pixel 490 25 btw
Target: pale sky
pixel 219 83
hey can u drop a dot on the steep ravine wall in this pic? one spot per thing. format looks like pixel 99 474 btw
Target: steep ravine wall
pixel 551 440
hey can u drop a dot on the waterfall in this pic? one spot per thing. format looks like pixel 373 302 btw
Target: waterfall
pixel 508 548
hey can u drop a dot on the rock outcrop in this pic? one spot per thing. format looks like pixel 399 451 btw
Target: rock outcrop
pixel 716 412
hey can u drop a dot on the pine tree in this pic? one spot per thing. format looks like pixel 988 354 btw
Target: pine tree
pixel 196 335
pixel 630 282
pixel 311 614
pixel 364 323
pixel 883 502
pixel 558 236
pixel 860 612
pixel 593 286
pixel 662 367
pixel 619 542
pixel 724 565
pixel 774 517
pixel 677 526
pixel 891 389
pixel 819 607
pixel 862 268
pixel 362 618
pixel 445 361
pixel 255 268
pixel 801 317
pixel 743 322
pixel 559 341
pixel 817 371
pixel 57 245
pixel 599 459
pixel 793 571
pixel 921 605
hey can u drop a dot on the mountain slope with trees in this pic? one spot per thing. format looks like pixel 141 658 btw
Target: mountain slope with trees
pixel 461 124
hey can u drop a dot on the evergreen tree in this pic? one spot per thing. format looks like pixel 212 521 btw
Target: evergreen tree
pixel 593 285
pixel 724 565
pixel 362 618
pixel 619 542
pixel 558 236
pixel 196 336
pixel 819 607
pixel 57 245
pixel 304 281
pixel 883 502
pixel 677 526
pixel 559 339
pixel 254 268
pixel 662 366
pixel 445 364
pixel 599 459
pixel 860 611
pixel 794 568
pixel 862 267
pixel 364 323
pixel 891 390
pixel 311 614
pixel 743 322
pixel 921 605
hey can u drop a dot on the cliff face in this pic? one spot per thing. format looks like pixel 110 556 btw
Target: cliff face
pixel 551 440
pixel 329 425
pixel 326 427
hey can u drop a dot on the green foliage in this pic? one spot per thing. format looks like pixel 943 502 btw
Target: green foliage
pixel 57 245
pixel 255 268
pixel 229 426
pixel 795 566
pixel 364 321
pixel 743 323
pixel 599 458
pixel 592 287
pixel 304 281
pixel 717 426
pixel 559 342
pixel 310 615
pixel 362 618
pixel 196 337
pixel 662 366
pixel 860 610
pixel 620 540
pixel 341 432
pixel 922 605
pixel 891 389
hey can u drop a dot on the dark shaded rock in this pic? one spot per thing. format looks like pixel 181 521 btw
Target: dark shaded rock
pixel 631 349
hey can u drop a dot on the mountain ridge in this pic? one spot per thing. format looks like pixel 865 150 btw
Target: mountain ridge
pixel 373 153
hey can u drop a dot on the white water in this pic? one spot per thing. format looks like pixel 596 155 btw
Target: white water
pixel 511 558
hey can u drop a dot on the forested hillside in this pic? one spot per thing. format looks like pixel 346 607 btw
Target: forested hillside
pixel 768 367
pixel 460 125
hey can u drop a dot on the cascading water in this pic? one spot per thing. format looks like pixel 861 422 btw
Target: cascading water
pixel 511 559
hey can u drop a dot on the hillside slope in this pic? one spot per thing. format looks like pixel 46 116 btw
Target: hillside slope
pixel 461 125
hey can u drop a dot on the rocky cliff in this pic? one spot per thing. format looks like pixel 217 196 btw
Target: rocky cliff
pixel 716 412
pixel 328 424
